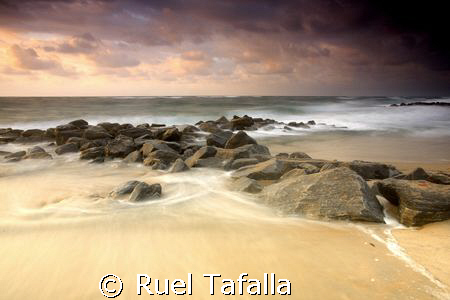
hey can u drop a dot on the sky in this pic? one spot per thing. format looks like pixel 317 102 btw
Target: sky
pixel 234 47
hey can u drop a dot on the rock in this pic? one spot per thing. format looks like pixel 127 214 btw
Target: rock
pixel 209 162
pixel 94 143
pixel 98 160
pixel 299 155
pixel 439 178
pixel 333 194
pixel 239 139
pixel 209 127
pixel 133 157
pixel 144 125
pixel 111 128
pixel 202 153
pixel 242 123
pixel 187 153
pixel 96 132
pixel 269 170
pixel 66 148
pixel 37 153
pixel 218 139
pixel 79 123
pixel 50 133
pixel 420 202
pixel 282 155
pixel 417 174
pixel 178 166
pixel 299 125
pixel 186 129
pixel 125 189
pixel 16 156
pixel 155 145
pixel 329 166
pixel 78 141
pixel 242 162
pixel 311 122
pixel 62 134
pixel 247 185
pixel 143 139
pixel 171 134
pixel 121 146
pixel 309 168
pixel 155 164
pixel 144 191
pixel 167 157
pixel 372 170
pixel 222 120
pixel 34 133
pixel 135 132
pixel 294 173
pixel 157 125
pixel 93 153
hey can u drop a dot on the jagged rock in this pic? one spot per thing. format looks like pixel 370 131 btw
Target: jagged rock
pixel 121 146
pixel 144 125
pixel 372 170
pixel 178 166
pixel 309 168
pixel 202 153
pixel 242 162
pixel 64 132
pixel 143 139
pixel 299 155
pixel 299 125
pixel 94 143
pixel 93 153
pixel 187 153
pixel 111 128
pixel 222 120
pixel 155 164
pixel 157 125
pixel 269 170
pixel 282 155
pixel 417 174
pixel 333 194
pixel 79 123
pixel 439 178
pixel 239 139
pixel 125 189
pixel 186 129
pixel 78 141
pixel 242 123
pixel 311 122
pixel 133 157
pixel 218 139
pixel 37 153
pixel 96 132
pixel 247 185
pixel 330 165
pixel 144 191
pixel 66 148
pixel 420 202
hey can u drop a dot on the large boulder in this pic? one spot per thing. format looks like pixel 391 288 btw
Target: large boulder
pixel 80 123
pixel 133 157
pixel 372 170
pixel 299 155
pixel 420 202
pixel 247 185
pixel 202 153
pixel 209 127
pixel 171 135
pixel 334 194
pixel 155 145
pixel 111 128
pixel 239 139
pixel 121 146
pixel 135 132
pixel 32 135
pixel 66 148
pixel 64 132
pixel 166 157
pixel 271 169
pixel 242 162
pixel 16 156
pixel 218 139
pixel 144 191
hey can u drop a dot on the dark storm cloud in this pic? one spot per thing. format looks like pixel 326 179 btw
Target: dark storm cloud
pixel 379 33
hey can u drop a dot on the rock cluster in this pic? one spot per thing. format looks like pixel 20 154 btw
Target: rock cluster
pixel 293 183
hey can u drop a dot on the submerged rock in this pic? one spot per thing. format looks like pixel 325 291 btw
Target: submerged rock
pixel 299 155
pixel 333 194
pixel 144 191
pixel 96 132
pixel 247 185
pixel 121 146
pixel 242 123
pixel 202 153
pixel 269 170
pixel 16 156
pixel 37 153
pixel 125 189
pixel 420 202
pixel 133 157
pixel 93 153
pixel 218 139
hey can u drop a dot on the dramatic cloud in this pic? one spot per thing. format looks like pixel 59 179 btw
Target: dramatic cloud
pixel 250 46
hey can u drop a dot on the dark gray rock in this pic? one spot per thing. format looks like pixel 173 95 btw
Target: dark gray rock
pixel 167 157
pixel 79 123
pixel 144 192
pixel 78 141
pixel 125 189
pixel 209 127
pixel 439 178
pixel 62 134
pixel 66 148
pixel 239 139
pixel 121 146
pixel 201 153
pixel 155 145
pixel 242 123
pixel 16 156
pixel 417 174
pixel 242 162
pixel 135 132
pixel 96 132
pixel 171 134
pixel 37 152
pixel 372 170
pixel 420 202
pixel 218 139
pixel 333 194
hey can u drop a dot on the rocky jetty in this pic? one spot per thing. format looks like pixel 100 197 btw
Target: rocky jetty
pixel 293 183
pixel 421 103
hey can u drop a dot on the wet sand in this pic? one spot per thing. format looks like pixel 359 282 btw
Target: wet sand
pixel 60 234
